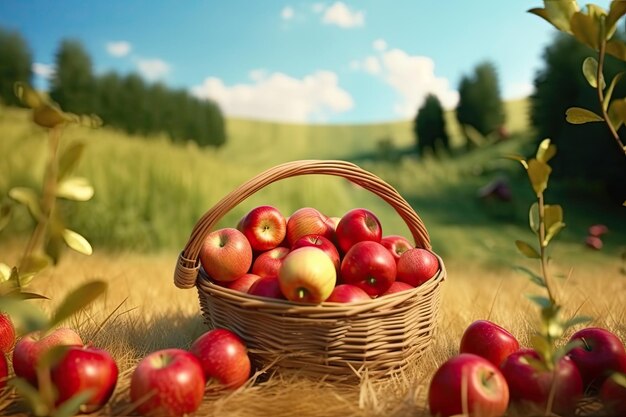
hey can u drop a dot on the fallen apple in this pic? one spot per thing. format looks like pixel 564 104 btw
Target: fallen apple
pixel 7 333
pixel 601 354
pixel 488 340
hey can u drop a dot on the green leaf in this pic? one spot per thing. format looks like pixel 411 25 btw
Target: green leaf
pixel 518 158
pixel 6 210
pixel 30 395
pixel 28 296
pixel 29 198
pixel 609 93
pixel 5 272
pixel 586 29
pixel 540 300
pixel 534 278
pixel 27 95
pixel 538 173
pixel 552 232
pixel 68 161
pixel 527 250
pixel 560 13
pixel 616 48
pixel 577 320
pixel 31 266
pixel 72 406
pixel 52 356
pixel 27 317
pixel 545 151
pixel 564 350
pixel 541 345
pixel 617 113
pixel 552 214
pixel 533 217
pixel 590 71
pixel 76 189
pixel 77 242
pixel 579 116
pixel 78 299
pixel 619 378
pixel 616 11
pixel 49 115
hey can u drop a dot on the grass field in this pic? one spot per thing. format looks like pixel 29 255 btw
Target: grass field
pixel 150 193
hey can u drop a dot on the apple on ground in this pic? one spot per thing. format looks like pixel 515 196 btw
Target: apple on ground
pixel 226 254
pixel 223 357
pixel 369 265
pixel 82 368
pixel 7 333
pixel 416 266
pixel 601 354
pixel 355 226
pixel 264 227
pixel 346 293
pixel 488 340
pixel 396 244
pixel 167 382
pixel 4 371
pixel 398 286
pixel 486 395
pixel 30 348
pixel 266 287
pixel 322 243
pixel 613 393
pixel 531 386
pixel 307 275
pixel 308 221
pixel 243 283
pixel 268 263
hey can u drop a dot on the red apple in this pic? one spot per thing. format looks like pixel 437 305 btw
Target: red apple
pixel 398 286
pixel 7 333
pixel 226 254
pixel 346 293
pixel 307 221
pixel 416 266
pixel 397 245
pixel 601 354
pixel 266 287
pixel 488 340
pixel 223 357
pixel 598 230
pixel 369 265
pixel 528 385
pixel 355 226
pixel 82 368
pixel 30 348
pixel 265 227
pixel 334 221
pixel 4 371
pixel 594 242
pixel 322 243
pixel 268 263
pixel 307 275
pixel 243 283
pixel 487 393
pixel 167 382
pixel 613 393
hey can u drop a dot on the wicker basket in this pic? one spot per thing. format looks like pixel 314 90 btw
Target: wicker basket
pixel 330 340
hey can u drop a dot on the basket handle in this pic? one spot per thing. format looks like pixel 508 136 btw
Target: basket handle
pixel 188 266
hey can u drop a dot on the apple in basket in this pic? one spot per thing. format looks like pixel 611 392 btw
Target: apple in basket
pixel 398 286
pixel 264 227
pixel 416 266
pixel 268 263
pixel 355 226
pixel 266 287
pixel 369 265
pixel 226 254
pixel 307 275
pixel 167 382
pixel 397 245
pixel 346 293
pixel 243 283
pixel 308 221
pixel 322 243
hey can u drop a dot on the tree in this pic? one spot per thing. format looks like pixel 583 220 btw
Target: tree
pixel 586 152
pixel 15 65
pixel 430 126
pixel 480 104
pixel 73 84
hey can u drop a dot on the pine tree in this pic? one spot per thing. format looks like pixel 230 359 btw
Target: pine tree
pixel 73 84
pixel 15 65
pixel 430 127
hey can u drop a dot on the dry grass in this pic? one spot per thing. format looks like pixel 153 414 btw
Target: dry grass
pixel 157 315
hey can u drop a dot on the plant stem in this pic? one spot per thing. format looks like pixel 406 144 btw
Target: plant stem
pixel 542 248
pixel 48 199
pixel 605 114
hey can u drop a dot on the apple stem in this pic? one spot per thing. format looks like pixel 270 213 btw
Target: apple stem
pixel 301 293
pixel 587 347
pixel 371 281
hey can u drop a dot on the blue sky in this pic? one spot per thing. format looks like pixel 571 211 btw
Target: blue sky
pixel 290 60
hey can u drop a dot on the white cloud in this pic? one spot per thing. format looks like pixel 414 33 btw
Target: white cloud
pixel 339 14
pixel 153 69
pixel 278 96
pixel 118 49
pixel 355 65
pixel 412 77
pixel 43 70
pixel 379 45
pixel 318 7
pixel 518 90
pixel 287 13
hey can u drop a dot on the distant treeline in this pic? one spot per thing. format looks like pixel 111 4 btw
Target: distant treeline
pixel 126 102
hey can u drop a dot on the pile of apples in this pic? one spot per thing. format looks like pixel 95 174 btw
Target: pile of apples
pixel 312 258
pixel 491 370
pixel 168 382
